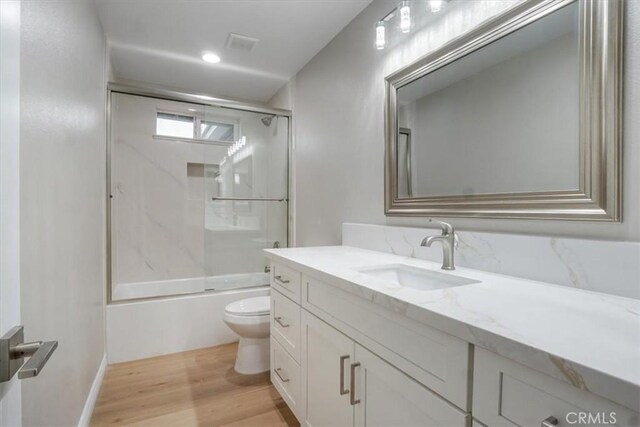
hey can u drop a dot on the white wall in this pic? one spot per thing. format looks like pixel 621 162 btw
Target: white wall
pixel 62 203
pixel 339 132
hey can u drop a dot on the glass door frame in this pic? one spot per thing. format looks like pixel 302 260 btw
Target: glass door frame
pixel 205 101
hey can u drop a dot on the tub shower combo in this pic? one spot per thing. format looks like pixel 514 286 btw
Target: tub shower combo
pixel 198 187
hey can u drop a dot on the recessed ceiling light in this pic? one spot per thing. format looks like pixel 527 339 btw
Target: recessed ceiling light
pixel 211 58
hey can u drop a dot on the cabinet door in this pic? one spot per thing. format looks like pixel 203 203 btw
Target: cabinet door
pixel 327 355
pixel 388 397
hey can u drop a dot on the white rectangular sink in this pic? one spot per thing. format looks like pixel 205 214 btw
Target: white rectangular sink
pixel 416 278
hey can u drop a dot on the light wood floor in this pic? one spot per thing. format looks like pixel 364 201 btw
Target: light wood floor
pixel 194 388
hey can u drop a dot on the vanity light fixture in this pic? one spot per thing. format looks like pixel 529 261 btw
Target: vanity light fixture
pixel 405 16
pixel 436 5
pixel 402 13
pixel 210 57
pixel 381 36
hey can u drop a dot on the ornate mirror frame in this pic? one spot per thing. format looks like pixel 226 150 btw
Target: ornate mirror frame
pixel 598 197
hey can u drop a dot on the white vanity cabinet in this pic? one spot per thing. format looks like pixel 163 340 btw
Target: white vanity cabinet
pixel 347 385
pixel 339 358
pixel 328 378
pixel 508 394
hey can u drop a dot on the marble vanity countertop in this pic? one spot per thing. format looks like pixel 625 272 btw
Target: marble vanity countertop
pixel 588 339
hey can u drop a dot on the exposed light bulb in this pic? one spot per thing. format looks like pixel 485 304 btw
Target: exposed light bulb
pixel 381 36
pixel 435 5
pixel 210 57
pixel 405 17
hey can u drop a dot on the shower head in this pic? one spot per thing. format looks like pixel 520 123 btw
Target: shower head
pixel 267 120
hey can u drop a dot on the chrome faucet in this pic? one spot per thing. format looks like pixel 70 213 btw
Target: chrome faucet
pixel 448 239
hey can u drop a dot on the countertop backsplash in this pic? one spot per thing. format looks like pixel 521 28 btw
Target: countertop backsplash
pixel 611 267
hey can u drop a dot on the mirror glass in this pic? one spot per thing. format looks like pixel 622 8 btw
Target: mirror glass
pixel 502 119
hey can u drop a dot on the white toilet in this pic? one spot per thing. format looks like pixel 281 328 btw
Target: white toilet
pixel 249 318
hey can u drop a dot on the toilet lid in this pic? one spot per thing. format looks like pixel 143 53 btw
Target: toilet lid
pixel 250 306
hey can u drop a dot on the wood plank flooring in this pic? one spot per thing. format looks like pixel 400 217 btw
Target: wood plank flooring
pixel 194 388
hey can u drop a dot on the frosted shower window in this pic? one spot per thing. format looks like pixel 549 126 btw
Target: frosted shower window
pixel 216 131
pixel 174 125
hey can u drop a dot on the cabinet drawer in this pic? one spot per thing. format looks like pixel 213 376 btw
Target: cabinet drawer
pixel 437 360
pixel 286 280
pixel 285 376
pixel 285 323
pixel 506 393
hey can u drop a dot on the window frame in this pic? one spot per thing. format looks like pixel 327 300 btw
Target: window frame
pixel 198 120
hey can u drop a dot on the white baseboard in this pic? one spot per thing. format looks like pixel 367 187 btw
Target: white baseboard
pixel 90 403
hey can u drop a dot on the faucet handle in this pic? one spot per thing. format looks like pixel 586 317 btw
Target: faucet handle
pixel 446 227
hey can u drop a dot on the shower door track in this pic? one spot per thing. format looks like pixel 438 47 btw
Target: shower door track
pixel 199 99
pixel 241 199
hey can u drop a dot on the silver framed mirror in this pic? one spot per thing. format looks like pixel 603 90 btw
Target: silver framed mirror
pixel 517 118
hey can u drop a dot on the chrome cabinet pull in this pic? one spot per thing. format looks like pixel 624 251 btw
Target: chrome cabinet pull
pixel 342 390
pixel 352 396
pixel 284 380
pixel 279 278
pixel 279 320
pixel 549 422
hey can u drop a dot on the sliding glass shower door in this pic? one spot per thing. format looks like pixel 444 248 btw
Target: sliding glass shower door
pixel 197 192
pixel 246 198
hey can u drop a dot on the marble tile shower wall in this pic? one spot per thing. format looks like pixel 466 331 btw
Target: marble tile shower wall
pixel 611 267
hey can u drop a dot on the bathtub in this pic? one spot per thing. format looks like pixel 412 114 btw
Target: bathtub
pixel 138 329
pixel 161 288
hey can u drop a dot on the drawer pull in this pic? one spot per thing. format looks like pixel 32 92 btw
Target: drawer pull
pixel 549 422
pixel 284 380
pixel 352 396
pixel 279 279
pixel 280 322
pixel 342 390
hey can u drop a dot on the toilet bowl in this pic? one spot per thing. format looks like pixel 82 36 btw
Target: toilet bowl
pixel 249 318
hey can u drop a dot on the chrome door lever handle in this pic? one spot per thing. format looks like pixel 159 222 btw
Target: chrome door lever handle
pixel 13 350
pixel 41 353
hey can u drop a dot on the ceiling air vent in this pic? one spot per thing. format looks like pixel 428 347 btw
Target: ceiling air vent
pixel 241 43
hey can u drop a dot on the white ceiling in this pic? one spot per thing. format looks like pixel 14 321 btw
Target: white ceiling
pixel 161 41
